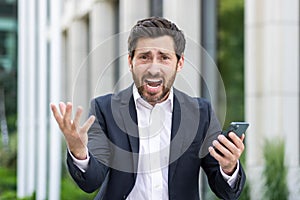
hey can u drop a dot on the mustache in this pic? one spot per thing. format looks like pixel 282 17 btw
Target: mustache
pixel 150 76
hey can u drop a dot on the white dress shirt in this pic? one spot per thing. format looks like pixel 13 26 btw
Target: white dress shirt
pixel 155 136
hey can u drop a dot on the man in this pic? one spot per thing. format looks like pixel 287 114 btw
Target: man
pixel 150 140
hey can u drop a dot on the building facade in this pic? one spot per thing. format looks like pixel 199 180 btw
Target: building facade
pixel 74 50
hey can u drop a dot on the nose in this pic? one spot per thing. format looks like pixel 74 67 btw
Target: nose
pixel 154 67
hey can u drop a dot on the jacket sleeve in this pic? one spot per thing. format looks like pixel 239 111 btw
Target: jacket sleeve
pixel 99 151
pixel 217 183
pixel 92 178
pixel 212 168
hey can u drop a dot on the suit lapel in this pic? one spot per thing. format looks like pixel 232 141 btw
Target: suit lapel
pixel 129 119
pixel 174 148
pixel 129 116
pixel 185 123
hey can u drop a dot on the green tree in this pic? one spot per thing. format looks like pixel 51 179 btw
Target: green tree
pixel 231 56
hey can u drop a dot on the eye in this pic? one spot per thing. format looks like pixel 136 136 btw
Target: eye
pixel 143 57
pixel 165 57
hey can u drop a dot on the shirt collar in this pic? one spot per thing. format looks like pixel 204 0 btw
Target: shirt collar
pixel 168 103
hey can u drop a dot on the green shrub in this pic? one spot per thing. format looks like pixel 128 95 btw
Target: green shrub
pixel 245 195
pixel 8 195
pixel 8 157
pixel 275 171
pixel 69 190
pixel 8 162
pixel 7 183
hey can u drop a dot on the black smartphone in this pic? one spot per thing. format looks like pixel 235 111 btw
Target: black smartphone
pixel 237 127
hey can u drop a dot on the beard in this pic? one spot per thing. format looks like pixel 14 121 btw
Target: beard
pixel 157 96
pixel 154 98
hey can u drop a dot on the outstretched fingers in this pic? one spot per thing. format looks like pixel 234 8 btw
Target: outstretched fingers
pixel 76 120
pixel 75 136
pixel 62 108
pixel 63 116
pixel 67 116
pixel 56 114
pixel 86 126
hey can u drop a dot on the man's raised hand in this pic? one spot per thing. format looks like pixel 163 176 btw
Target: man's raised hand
pixel 75 135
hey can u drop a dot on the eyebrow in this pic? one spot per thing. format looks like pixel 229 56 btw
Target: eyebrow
pixel 165 53
pixel 160 52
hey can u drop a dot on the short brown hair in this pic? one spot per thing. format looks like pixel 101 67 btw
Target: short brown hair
pixel 155 27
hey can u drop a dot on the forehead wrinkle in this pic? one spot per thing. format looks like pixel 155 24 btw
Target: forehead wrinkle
pixel 166 43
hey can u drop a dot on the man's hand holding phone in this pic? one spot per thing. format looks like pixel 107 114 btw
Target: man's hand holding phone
pixel 229 146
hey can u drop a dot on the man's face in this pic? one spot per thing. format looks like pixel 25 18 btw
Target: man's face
pixel 154 67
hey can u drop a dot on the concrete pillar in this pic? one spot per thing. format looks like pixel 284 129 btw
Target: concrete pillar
pixel 212 84
pixel 31 99
pixel 27 102
pixel 102 47
pixel 55 70
pixel 78 63
pixel 22 98
pixel 130 12
pixel 200 70
pixel 272 85
pixel 43 104
pixel 188 79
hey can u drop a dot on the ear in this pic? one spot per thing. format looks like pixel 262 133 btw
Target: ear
pixel 129 59
pixel 180 63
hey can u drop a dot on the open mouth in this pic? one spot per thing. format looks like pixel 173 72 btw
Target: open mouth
pixel 153 83
pixel 153 86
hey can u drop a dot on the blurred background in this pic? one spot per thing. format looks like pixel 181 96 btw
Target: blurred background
pixel 73 50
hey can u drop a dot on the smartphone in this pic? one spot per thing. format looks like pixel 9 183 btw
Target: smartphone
pixel 237 127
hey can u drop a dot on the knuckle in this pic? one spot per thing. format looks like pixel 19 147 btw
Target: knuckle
pixel 241 151
pixel 242 148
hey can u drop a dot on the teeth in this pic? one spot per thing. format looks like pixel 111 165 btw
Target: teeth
pixel 148 81
pixel 153 83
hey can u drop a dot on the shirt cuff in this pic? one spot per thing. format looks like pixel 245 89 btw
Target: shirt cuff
pixel 231 180
pixel 81 164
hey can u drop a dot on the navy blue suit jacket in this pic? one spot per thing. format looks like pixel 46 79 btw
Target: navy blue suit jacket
pixel 114 145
